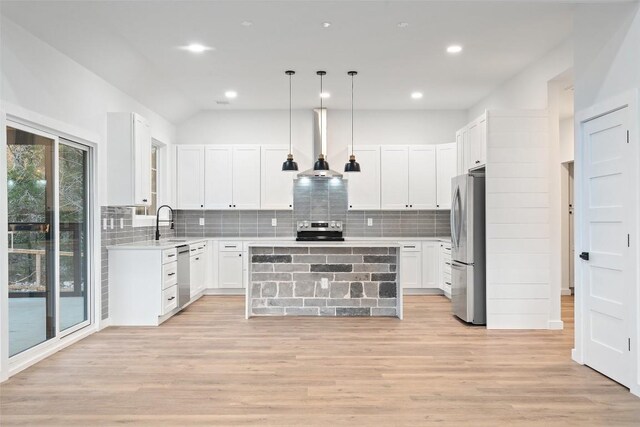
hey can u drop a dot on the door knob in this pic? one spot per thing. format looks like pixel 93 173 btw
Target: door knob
pixel 584 256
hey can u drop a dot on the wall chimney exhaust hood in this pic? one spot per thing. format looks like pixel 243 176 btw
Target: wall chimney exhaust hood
pixel 320 146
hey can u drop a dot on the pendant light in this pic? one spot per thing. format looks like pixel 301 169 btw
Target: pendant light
pixel 352 165
pixel 289 165
pixel 321 164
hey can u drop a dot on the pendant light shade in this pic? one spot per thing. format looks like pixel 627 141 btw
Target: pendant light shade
pixel 321 164
pixel 352 165
pixel 289 165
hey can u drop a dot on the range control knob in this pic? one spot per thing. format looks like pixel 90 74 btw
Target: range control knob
pixel 333 224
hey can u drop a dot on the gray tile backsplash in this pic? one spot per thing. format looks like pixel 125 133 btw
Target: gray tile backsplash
pixel 256 223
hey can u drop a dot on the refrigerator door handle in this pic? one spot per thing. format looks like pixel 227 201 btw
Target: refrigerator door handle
pixel 455 218
pixel 451 220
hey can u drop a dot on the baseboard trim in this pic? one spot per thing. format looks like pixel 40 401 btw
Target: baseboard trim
pixel 565 292
pixel 239 292
pixel 420 291
pixel 556 324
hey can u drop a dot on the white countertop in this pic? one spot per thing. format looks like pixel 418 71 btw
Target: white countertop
pixel 349 243
pixel 271 241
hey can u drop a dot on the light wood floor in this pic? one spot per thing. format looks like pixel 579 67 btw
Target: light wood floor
pixel 209 366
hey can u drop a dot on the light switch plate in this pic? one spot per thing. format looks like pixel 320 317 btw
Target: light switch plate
pixel 274 222
pixel 104 223
pixel 201 221
pixel 111 223
pixel 370 222
pixel 121 222
pixel 324 283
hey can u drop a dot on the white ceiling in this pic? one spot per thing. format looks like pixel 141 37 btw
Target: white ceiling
pixel 134 46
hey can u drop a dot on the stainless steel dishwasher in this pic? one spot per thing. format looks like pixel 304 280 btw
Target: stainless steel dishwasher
pixel 184 275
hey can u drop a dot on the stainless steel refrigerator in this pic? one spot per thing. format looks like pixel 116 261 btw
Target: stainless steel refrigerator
pixel 468 292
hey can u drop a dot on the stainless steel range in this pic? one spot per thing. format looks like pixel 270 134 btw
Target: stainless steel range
pixel 319 231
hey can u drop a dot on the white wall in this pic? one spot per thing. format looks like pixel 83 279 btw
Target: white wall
pixel 40 79
pixel 607 58
pixel 528 89
pixel 371 127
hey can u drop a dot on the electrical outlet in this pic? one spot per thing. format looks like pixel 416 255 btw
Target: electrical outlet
pixel 121 222
pixel 274 222
pixel 104 223
pixel 111 223
pixel 201 221
pixel 369 222
pixel 324 283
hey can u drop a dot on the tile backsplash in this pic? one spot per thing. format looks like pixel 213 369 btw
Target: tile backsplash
pixel 257 223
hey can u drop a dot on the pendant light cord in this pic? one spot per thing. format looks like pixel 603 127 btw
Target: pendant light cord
pixel 321 114
pixel 352 114
pixel 290 146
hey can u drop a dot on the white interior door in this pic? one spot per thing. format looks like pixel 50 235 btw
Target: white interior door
pixel 572 245
pixel 609 187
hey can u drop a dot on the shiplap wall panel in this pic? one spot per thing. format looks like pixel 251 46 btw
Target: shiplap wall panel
pixel 517 219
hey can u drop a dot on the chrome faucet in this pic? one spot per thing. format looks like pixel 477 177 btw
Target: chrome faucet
pixel 158 220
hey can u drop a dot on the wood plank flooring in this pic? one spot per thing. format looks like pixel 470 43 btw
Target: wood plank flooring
pixel 210 366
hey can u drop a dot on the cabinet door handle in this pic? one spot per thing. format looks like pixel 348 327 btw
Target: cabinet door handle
pixel 197 259
pixel 447 283
pixel 192 250
pixel 409 247
pixel 172 298
pixel 229 246
pixel 200 247
pixel 448 263
pixel 171 255
pixel 144 200
pixel 171 274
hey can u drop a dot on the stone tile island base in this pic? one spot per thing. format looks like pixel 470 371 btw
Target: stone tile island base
pixel 324 279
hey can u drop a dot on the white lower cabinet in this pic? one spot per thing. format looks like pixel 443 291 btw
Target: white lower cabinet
pixel 230 265
pixel 444 276
pixel 411 265
pixel 198 268
pixel 430 265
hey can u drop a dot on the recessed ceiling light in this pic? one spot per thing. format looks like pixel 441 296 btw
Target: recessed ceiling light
pixel 326 24
pixel 454 48
pixel 197 48
pixel 231 94
pixel 403 24
pixel 416 95
pixel 325 95
pixel 246 23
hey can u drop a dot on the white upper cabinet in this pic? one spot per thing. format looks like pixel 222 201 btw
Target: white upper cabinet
pixel 218 191
pixel 128 160
pixel 422 177
pixel 446 161
pixel 276 185
pixel 394 177
pixel 474 142
pixel 364 186
pixel 246 177
pixel 190 174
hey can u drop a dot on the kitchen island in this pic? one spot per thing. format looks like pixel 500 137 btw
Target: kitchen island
pixel 323 279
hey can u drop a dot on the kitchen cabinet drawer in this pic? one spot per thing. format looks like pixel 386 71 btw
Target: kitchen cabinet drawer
pixel 411 247
pixel 169 274
pixel 201 247
pixel 230 246
pixel 169 299
pixel 169 255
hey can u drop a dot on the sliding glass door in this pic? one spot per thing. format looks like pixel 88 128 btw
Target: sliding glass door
pixel 47 210
pixel 73 235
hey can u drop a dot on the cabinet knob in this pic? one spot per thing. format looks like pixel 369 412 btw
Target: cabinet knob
pixel 234 206
pixel 229 205
pixel 406 206
pixel 202 206
pixel 410 206
pixel 477 161
pixel 144 200
pixel 239 254
pixel 290 206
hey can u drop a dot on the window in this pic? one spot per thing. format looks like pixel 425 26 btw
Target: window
pixel 146 215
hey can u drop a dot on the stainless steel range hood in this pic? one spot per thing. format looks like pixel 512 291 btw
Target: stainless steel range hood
pixel 319 145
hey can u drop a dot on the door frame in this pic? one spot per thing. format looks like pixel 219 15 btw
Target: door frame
pixel 626 100
pixel 11 114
